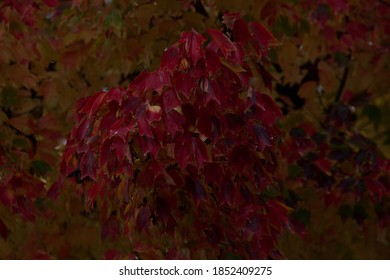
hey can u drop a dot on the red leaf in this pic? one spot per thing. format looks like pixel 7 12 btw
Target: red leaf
pixel 183 82
pixel 55 190
pixel 240 157
pixel 215 129
pixel 196 189
pixel 240 31
pixel 142 221
pixel 262 35
pixel 84 127
pixel 121 131
pixel 107 120
pixel 200 152
pixel 51 3
pixel 105 151
pixel 137 86
pixel 144 128
pixel 112 254
pixel 25 208
pixel 176 176
pixel 170 100
pixel 157 80
pixel 92 193
pixel 163 209
pixel 375 187
pixel 324 164
pixel 265 75
pixel 111 228
pixel 170 58
pixel 183 152
pixel 115 94
pixel 174 122
pixel 271 112
pixel 88 166
pixel 347 96
pixel 149 145
pixel 213 173
pixel 222 41
pixel 227 191
pixel 121 149
pixel 212 91
pixel 230 18
pixel 262 136
pixel 97 103
pixel 204 125
pixel 193 45
pixel 153 113
pixel 212 61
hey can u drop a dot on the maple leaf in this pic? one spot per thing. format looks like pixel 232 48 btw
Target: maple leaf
pixel 263 37
pixel 183 151
pixel 376 188
pixel 193 45
pixel 170 100
pixel 222 41
pixel 270 111
pixel 157 80
pixel 144 128
pixel 149 145
pixel 174 122
pixel 121 149
pixel 88 166
pixel 196 189
pixel 200 152
pixel 324 165
pixel 142 221
pixel 184 83
pixel 212 61
pixel 213 172
pixel 115 94
pixel 263 138
pixel 240 156
pixel 153 113
pixel 92 194
pixel 170 58
pixel 241 31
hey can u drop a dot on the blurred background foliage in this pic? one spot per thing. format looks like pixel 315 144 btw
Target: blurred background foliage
pixel 331 72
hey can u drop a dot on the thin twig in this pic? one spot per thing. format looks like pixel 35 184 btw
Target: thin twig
pixel 342 84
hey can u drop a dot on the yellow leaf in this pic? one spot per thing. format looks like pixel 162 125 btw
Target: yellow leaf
pixel 231 66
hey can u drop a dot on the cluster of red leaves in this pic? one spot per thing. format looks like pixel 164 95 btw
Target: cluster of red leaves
pixel 331 154
pixel 341 163
pixel 182 160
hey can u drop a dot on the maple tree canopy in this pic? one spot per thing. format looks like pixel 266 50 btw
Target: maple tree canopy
pixel 185 129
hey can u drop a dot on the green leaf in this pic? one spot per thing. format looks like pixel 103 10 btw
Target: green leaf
pixel 341 58
pixel 304 26
pixel 10 97
pixel 233 256
pixel 113 19
pixel 302 215
pixel 40 167
pixel 270 192
pixel 345 211
pixel 20 142
pixel 373 113
pixel 283 25
pixel 294 171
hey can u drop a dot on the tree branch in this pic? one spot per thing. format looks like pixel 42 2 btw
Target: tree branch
pixel 342 84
